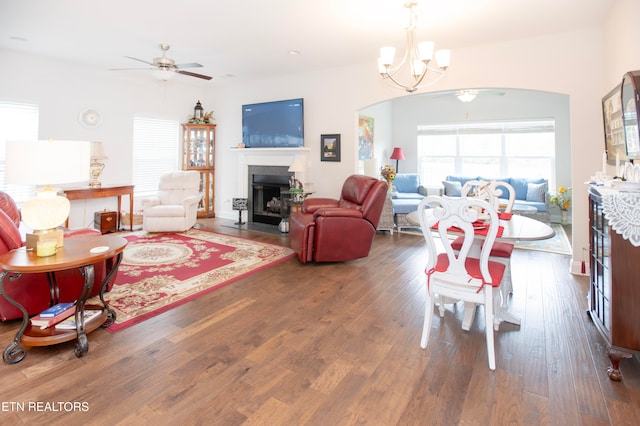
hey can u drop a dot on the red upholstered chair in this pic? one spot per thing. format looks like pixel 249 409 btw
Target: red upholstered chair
pixel 33 290
pixel 330 230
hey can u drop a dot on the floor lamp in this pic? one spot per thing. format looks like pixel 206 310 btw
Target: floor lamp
pixel 397 155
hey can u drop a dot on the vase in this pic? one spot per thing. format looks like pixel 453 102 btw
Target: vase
pixel 389 186
pixel 564 217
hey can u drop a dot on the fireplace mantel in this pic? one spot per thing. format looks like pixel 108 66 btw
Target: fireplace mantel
pixel 271 157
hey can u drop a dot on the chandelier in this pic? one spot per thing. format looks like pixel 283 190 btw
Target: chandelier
pixel 416 58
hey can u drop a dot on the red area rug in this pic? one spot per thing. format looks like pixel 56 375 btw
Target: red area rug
pixel 161 271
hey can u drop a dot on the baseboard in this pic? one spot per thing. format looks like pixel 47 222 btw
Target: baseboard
pixel 576 268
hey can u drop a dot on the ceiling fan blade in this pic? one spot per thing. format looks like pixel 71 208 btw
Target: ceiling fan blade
pixel 193 74
pixel 129 69
pixel 191 65
pixel 140 60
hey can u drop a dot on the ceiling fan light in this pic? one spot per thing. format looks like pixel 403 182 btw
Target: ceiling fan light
pixel 466 95
pixel 163 75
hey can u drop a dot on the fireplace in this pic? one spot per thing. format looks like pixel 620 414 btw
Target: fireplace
pixel 265 185
pixel 273 162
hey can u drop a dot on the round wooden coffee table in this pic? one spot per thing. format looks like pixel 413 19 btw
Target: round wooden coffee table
pixel 80 252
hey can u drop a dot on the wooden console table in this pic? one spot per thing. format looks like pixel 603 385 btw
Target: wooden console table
pixel 79 252
pixel 103 192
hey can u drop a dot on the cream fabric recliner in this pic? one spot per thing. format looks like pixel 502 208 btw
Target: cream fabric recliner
pixel 176 206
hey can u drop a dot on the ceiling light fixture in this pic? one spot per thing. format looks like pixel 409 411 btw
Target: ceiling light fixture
pixel 163 74
pixel 416 57
pixel 466 95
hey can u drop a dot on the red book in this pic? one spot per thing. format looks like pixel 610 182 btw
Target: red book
pixel 43 323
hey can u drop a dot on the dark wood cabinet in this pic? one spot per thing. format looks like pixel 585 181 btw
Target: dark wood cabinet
pixel 614 290
pixel 105 221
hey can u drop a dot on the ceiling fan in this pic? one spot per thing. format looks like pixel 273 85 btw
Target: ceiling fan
pixel 164 68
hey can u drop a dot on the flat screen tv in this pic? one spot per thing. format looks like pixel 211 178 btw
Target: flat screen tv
pixel 278 124
pixel 631 113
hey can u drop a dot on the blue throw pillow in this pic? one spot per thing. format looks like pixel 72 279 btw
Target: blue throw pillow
pixel 452 189
pixel 536 191
pixel 407 182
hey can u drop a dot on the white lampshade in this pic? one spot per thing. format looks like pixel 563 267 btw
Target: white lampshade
pixel 97 151
pixel 443 58
pixel 371 168
pixel 297 165
pixel 425 50
pixel 46 163
pixel 387 54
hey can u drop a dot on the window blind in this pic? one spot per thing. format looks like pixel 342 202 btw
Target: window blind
pixel 18 121
pixel 155 152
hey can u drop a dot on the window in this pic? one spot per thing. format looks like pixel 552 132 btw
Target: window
pixel 18 121
pixel 155 152
pixel 489 149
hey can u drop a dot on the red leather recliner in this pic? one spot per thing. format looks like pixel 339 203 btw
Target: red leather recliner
pixel 32 290
pixel 329 230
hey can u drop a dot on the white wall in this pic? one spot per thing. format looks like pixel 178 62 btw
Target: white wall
pixel 569 63
pixel 622 41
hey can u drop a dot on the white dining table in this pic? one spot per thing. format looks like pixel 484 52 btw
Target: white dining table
pixel 517 228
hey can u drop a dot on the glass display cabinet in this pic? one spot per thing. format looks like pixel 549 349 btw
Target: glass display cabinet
pixel 198 153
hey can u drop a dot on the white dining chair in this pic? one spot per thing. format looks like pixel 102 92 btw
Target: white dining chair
pixel 460 276
pixel 493 193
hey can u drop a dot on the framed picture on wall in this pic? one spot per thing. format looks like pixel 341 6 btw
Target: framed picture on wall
pixel 365 138
pixel 613 126
pixel 330 148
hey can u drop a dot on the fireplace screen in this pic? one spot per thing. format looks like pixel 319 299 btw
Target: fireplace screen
pixel 266 185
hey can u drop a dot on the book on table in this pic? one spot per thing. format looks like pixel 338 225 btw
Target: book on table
pixel 45 322
pixel 56 309
pixel 70 323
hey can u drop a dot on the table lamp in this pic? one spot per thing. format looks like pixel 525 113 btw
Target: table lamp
pixel 397 155
pixel 97 153
pixel 296 166
pixel 46 163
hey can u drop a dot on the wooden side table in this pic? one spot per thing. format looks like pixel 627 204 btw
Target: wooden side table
pixel 79 252
pixel 103 192
pixel 386 217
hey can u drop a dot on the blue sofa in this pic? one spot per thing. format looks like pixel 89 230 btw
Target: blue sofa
pixel 405 197
pixel 530 193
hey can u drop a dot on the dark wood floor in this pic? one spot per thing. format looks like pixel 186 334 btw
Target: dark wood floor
pixel 336 344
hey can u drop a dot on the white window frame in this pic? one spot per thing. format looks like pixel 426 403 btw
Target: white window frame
pixel 503 128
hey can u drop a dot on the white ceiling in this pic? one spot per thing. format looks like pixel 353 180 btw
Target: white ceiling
pixel 251 38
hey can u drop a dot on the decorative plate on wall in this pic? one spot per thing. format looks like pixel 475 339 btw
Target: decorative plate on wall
pixel 90 118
